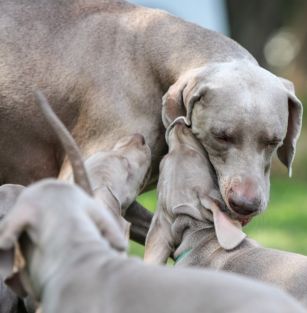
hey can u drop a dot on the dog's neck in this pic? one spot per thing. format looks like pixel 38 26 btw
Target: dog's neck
pixel 172 54
pixel 194 233
pixel 200 246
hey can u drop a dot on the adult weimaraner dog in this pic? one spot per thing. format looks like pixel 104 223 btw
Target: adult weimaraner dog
pixel 83 273
pixel 106 64
pixel 190 223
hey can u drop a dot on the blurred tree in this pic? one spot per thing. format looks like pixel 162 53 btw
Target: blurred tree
pixel 252 22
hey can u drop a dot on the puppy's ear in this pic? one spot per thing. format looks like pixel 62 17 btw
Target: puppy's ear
pixel 11 263
pixel 108 226
pixel 157 246
pixel 286 152
pixel 11 259
pixel 14 279
pixel 181 97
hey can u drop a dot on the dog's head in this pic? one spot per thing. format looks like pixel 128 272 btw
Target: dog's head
pixel 241 114
pixel 133 167
pixel 33 225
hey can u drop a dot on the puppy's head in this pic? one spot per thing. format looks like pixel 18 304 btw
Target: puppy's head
pixel 31 224
pixel 179 133
pixel 242 115
pixel 135 159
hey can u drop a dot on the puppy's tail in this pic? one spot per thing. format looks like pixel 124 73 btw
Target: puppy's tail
pixel 68 143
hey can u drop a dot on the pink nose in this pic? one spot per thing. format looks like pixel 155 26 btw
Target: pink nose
pixel 244 198
pixel 138 139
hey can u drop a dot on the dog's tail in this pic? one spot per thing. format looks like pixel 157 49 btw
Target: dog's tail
pixel 68 143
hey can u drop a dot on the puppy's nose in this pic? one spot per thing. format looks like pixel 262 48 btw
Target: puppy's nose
pixel 139 139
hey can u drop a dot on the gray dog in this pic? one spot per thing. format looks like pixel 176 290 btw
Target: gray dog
pixel 189 205
pixel 117 176
pixel 186 187
pixel 109 63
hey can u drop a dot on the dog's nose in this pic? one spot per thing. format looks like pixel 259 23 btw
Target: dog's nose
pixel 243 205
pixel 244 198
pixel 139 139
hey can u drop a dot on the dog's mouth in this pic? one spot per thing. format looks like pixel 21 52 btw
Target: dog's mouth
pixel 243 220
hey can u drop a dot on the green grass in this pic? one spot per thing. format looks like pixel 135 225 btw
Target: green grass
pixel 283 225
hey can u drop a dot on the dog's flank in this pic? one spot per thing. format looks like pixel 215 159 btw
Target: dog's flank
pixel 69 144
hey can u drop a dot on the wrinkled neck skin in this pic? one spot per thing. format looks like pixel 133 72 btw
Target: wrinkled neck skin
pixel 200 239
pixel 58 250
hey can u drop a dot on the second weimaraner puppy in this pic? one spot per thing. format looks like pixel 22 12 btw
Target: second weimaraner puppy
pixel 109 63
pixel 190 224
pixel 83 273
pixel 186 187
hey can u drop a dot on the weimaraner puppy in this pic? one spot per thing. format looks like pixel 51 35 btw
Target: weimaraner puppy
pixel 186 187
pixel 116 176
pixel 84 272
pixel 190 223
pixel 109 63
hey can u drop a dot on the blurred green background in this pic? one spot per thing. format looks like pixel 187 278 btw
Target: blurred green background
pixel 275 32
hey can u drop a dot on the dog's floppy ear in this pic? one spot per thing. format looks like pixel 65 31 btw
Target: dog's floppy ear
pixel 108 226
pixel 11 259
pixel 286 152
pixel 14 280
pixel 181 97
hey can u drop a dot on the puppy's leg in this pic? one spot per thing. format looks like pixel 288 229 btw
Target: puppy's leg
pixel 158 245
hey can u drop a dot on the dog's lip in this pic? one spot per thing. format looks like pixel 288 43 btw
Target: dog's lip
pixel 244 220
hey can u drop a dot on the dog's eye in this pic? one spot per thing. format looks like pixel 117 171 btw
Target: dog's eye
pixel 272 143
pixel 222 137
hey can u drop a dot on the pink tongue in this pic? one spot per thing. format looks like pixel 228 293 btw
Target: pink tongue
pixel 229 232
